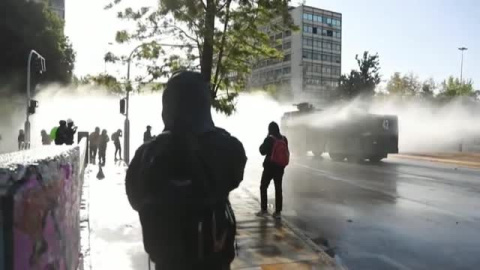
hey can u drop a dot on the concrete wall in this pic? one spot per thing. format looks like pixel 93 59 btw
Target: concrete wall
pixel 40 193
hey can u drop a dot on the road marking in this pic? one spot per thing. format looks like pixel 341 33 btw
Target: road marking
pixel 357 184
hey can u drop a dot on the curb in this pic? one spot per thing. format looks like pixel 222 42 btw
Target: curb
pixel 303 237
pixel 470 164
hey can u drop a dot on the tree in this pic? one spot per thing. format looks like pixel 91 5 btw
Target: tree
pixel 452 87
pixel 362 81
pixel 222 39
pixel 28 25
pixel 406 85
pixel 428 89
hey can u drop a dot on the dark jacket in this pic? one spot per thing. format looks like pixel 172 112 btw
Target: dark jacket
pixel 61 136
pixel 71 130
pixel 267 145
pixel 147 136
pixel 94 139
pixel 190 150
pixel 103 140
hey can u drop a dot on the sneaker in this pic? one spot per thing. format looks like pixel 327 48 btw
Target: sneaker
pixel 262 213
pixel 277 215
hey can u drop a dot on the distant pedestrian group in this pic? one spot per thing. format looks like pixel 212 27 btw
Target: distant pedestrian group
pixel 98 143
pixel 63 134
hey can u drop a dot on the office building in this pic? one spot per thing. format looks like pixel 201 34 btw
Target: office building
pixel 311 66
pixel 59 7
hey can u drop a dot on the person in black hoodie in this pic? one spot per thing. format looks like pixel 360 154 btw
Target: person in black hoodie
pixel 71 130
pixel 179 182
pixel 61 135
pixel 271 170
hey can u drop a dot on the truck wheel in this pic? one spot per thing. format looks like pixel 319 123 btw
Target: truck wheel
pixel 375 159
pixel 318 154
pixel 354 159
pixel 336 157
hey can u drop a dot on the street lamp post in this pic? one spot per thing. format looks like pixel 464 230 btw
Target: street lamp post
pixel 126 138
pixel 461 66
pixel 27 121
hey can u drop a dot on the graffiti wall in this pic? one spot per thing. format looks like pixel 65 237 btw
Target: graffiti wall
pixel 43 206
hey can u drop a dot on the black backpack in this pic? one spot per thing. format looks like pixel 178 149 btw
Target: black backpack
pixel 186 224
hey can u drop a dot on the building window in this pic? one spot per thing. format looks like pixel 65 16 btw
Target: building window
pixel 338 34
pixel 286 70
pixel 288 33
pixel 327 45
pixel 310 17
pixel 314 30
pixel 305 16
pixel 287 57
pixel 307 54
pixel 307 42
pixel 329 33
pixel 329 20
pixel 278 36
pixel 279 47
pixel 287 45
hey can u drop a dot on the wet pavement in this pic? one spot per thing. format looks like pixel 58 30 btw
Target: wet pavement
pixel 115 238
pixel 398 214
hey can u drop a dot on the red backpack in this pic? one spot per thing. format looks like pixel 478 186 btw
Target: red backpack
pixel 280 154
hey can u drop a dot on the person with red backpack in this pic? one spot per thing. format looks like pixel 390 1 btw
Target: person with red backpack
pixel 277 157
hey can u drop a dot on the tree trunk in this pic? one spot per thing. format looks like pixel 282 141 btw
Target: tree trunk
pixel 207 52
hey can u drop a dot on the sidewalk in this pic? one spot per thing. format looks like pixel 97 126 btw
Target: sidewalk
pixel 461 159
pixel 116 236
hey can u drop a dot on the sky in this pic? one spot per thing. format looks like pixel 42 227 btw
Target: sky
pixel 409 35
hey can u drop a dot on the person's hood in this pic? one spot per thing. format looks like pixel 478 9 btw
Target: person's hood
pixel 187 104
pixel 273 129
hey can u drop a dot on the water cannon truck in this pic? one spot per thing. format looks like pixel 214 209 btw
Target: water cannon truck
pixel 355 136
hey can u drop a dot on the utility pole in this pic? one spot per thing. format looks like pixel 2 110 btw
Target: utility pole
pixel 461 66
pixel 43 68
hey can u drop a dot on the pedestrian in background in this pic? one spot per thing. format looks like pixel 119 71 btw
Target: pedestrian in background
pixel 275 150
pixel 147 135
pixel 61 133
pixel 94 142
pixel 45 138
pixel 21 139
pixel 118 146
pixel 71 130
pixel 102 147
pixel 179 183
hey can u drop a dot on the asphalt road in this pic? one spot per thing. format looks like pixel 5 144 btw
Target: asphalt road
pixel 398 214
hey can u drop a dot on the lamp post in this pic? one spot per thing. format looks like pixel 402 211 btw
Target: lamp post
pixel 462 49
pixel 43 68
pixel 126 138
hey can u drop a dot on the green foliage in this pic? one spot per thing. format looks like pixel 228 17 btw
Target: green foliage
pixel 220 38
pixel 406 85
pixel 103 80
pixel 362 81
pixel 453 87
pixel 26 26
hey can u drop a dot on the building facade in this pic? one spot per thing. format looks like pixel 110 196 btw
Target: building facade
pixel 59 7
pixel 311 66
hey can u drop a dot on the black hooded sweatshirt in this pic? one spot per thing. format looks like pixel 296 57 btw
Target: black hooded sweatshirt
pixel 188 124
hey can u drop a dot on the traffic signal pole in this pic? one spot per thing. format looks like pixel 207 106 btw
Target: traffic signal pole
pixel 27 121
